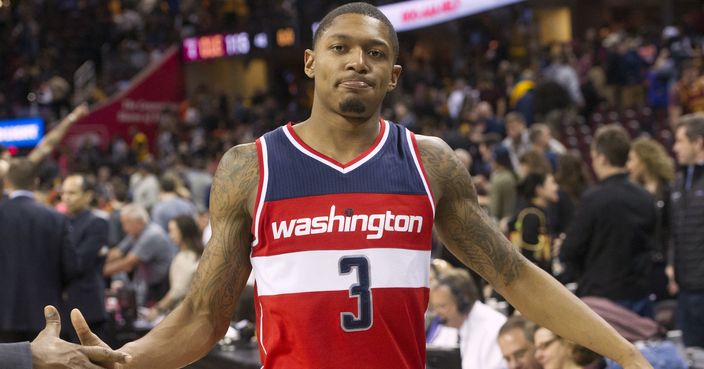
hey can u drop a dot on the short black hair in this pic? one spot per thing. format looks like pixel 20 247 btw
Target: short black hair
pixel 357 8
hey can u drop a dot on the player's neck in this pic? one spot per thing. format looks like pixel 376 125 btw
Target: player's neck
pixel 339 138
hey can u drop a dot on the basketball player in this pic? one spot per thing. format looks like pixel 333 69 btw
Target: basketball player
pixel 334 215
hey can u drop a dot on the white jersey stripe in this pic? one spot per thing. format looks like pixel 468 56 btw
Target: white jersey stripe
pixel 319 271
pixel 262 195
pixel 416 160
pixel 340 169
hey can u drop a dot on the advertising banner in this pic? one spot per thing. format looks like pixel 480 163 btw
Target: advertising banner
pixel 138 108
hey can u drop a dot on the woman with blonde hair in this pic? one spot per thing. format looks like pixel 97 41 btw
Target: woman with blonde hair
pixel 651 167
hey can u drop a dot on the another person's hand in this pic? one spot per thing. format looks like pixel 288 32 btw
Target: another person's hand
pixel 90 340
pixel 50 352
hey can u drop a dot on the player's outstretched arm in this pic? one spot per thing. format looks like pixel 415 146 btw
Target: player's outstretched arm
pixel 192 329
pixel 469 233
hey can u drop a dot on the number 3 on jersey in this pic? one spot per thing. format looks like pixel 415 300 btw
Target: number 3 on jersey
pixel 361 290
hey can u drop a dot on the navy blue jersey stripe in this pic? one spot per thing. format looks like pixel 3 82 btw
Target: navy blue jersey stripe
pixel 293 174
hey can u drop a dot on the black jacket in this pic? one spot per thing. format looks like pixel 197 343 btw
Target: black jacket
pixel 687 230
pixel 37 261
pixel 609 244
pixel 89 234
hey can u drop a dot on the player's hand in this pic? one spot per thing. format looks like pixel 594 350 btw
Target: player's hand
pixel 50 352
pixel 90 340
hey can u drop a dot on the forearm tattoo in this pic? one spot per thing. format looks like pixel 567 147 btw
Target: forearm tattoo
pixel 225 266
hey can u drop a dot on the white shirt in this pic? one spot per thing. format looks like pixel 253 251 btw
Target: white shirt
pixel 478 338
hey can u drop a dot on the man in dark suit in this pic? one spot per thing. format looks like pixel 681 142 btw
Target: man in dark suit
pixel 37 259
pixel 89 234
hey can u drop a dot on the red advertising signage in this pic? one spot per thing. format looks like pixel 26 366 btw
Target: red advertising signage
pixel 138 108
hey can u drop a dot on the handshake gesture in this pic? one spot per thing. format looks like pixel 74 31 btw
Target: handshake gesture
pixel 51 352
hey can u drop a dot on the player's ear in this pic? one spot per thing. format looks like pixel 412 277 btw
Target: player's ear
pixel 309 63
pixel 395 75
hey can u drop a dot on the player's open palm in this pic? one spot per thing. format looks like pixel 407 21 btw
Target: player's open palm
pixel 88 338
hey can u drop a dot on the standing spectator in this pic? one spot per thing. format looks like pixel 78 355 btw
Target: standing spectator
pixel 90 236
pixel 144 186
pixel 517 140
pixel 170 204
pixel 541 139
pixel 572 175
pixel 37 259
pixel 516 343
pixel 565 75
pixel 687 227
pixel 687 95
pixel 651 167
pixel 146 249
pixel 465 320
pixel 609 243
pixel 502 195
pixel 529 229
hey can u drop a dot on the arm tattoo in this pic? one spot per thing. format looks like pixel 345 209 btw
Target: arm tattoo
pixel 225 266
pixel 462 224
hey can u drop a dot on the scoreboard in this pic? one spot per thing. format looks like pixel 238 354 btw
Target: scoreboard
pixel 236 44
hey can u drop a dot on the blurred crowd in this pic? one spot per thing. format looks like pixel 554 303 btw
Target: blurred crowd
pixel 571 146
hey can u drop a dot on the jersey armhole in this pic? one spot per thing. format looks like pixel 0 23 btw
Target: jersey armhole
pixel 262 158
pixel 415 152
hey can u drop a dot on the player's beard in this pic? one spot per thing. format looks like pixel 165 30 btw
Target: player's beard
pixel 352 104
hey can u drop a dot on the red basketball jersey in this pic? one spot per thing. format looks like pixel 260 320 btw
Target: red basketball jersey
pixel 341 254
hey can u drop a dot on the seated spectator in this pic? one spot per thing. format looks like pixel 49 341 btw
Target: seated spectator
pixel 146 249
pixel 184 232
pixel 516 343
pixel 555 352
pixel 465 321
pixel 170 204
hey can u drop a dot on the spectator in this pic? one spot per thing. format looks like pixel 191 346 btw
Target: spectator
pixel 554 352
pixel 144 186
pixel 516 343
pixel 37 258
pixel 502 195
pixel 572 175
pixel 465 320
pixel 687 95
pixel 184 232
pixel 517 140
pixel 687 226
pixel 651 167
pixel 542 141
pixel 170 204
pixel 90 236
pixel 529 229
pixel 608 246
pixel 147 250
